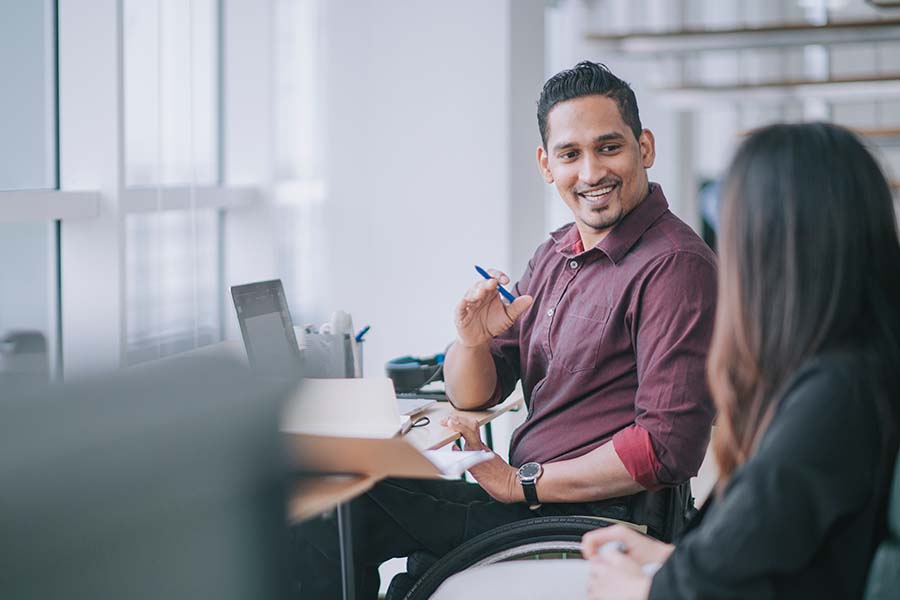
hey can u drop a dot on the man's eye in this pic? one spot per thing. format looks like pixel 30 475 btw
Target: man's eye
pixel 610 147
pixel 568 155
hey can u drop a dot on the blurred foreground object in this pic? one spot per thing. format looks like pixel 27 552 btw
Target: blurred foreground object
pixel 160 482
pixel 23 359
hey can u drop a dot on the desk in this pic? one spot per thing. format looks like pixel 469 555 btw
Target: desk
pixel 312 496
pixel 315 495
pixel 435 435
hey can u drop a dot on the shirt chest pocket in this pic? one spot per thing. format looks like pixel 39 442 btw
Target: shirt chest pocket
pixel 579 334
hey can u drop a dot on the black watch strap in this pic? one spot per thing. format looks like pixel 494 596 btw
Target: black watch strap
pixel 530 489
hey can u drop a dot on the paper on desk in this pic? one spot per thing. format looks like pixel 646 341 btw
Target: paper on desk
pixel 454 464
pixel 350 426
pixel 344 408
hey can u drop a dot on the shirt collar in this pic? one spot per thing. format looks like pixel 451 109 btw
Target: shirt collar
pixel 623 236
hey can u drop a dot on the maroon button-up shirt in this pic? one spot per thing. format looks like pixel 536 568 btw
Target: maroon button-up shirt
pixel 615 347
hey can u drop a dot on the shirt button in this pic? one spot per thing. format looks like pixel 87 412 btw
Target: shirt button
pixel 550 313
pixel 574 264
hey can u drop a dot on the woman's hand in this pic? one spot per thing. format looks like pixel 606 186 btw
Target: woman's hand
pixel 621 562
pixel 641 548
pixel 616 576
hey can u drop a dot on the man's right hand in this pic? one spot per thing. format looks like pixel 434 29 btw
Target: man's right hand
pixel 481 314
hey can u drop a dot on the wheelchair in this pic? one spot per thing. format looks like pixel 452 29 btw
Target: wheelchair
pixel 550 537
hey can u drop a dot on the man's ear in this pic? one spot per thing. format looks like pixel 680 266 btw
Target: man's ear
pixel 542 165
pixel 648 148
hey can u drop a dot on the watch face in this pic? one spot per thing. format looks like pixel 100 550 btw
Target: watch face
pixel 529 471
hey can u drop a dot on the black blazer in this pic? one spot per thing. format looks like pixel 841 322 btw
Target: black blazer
pixel 801 518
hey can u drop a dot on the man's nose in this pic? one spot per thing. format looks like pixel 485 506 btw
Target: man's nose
pixel 592 170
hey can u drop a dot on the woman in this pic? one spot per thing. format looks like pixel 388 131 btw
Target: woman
pixel 804 371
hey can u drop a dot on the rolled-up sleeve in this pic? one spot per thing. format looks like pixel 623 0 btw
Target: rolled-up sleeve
pixel 672 318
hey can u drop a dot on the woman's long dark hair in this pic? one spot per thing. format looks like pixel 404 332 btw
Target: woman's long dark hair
pixel 809 261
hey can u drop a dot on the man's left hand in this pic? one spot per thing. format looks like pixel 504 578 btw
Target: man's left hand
pixel 496 476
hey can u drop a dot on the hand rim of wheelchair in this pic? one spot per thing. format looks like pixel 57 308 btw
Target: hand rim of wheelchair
pixel 535 551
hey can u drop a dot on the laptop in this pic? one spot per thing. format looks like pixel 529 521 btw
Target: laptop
pixel 269 339
pixel 267 328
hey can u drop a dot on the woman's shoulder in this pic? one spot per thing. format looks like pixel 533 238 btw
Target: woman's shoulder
pixel 831 392
pixel 843 373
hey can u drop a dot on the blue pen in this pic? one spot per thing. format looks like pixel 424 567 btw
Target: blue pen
pixel 503 291
pixel 362 332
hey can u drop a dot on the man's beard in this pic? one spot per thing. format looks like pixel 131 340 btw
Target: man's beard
pixel 608 221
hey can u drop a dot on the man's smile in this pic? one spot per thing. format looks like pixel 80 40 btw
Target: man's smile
pixel 597 197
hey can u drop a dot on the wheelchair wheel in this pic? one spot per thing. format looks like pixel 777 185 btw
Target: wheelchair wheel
pixel 542 537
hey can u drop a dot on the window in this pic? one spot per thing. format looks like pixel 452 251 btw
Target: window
pixel 172 91
pixel 297 91
pixel 300 191
pixel 28 144
pixel 28 101
pixel 172 261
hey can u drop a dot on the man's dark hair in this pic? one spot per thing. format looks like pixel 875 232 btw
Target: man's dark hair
pixel 587 79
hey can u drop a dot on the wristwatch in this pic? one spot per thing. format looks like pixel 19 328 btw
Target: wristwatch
pixel 528 475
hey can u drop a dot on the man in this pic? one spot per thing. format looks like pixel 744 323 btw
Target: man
pixel 608 335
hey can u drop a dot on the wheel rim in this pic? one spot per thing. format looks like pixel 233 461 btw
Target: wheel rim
pixel 537 550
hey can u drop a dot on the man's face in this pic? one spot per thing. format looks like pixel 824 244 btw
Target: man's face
pixel 598 167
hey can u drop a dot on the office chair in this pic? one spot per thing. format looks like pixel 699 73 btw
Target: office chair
pixel 550 537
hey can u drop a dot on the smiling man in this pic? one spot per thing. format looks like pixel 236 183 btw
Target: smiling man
pixel 608 335
pixel 610 329
pixel 597 161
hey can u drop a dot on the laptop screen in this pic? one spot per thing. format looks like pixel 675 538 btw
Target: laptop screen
pixel 267 328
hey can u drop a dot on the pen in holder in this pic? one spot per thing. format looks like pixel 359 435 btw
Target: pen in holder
pixel 331 351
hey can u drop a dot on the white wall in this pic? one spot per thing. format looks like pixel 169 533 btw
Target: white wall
pixel 419 116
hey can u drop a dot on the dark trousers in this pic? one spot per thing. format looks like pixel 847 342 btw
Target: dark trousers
pixel 401 516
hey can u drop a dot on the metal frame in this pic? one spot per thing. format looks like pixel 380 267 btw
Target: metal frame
pixel 778 91
pixel 184 197
pixel 790 34
pixel 47 205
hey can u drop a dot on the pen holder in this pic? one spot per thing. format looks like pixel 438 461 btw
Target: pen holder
pixel 328 356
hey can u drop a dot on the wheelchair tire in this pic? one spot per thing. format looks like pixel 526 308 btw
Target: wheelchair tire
pixel 529 539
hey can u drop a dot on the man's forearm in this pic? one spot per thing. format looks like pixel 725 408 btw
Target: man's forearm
pixel 470 375
pixel 598 475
